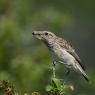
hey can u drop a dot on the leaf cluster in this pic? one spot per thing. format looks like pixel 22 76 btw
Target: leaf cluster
pixel 58 88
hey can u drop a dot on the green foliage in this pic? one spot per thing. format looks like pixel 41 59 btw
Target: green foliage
pixel 58 88
pixel 25 61
pixel 6 88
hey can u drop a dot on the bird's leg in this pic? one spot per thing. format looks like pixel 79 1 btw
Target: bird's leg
pixel 65 76
pixel 53 68
pixel 67 72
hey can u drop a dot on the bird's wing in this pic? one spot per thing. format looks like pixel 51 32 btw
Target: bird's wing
pixel 68 47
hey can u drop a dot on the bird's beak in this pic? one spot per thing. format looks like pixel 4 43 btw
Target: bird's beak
pixel 34 33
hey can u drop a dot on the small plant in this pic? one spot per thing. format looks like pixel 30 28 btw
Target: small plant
pixel 35 93
pixel 58 88
pixel 55 88
pixel 6 88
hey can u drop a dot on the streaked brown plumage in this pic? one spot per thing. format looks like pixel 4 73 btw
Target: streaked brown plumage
pixel 61 51
pixel 69 48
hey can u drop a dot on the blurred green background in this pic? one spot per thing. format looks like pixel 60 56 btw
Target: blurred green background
pixel 25 61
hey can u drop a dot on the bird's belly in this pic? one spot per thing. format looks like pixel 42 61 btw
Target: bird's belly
pixel 63 56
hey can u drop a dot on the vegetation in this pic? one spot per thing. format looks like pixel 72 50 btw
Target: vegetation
pixel 25 61
pixel 56 88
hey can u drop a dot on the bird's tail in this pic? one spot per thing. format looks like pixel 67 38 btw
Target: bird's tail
pixel 82 72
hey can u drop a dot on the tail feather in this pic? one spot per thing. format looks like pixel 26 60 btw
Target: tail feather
pixel 86 78
pixel 82 72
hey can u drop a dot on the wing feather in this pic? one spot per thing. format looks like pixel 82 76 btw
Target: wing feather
pixel 69 48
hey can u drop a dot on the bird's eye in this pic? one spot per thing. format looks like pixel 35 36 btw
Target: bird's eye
pixel 46 33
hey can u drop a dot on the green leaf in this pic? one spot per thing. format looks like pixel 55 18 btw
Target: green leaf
pixel 56 83
pixel 48 88
pixel 69 87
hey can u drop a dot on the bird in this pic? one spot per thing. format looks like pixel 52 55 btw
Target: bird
pixel 62 52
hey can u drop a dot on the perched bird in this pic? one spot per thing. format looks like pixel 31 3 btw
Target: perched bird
pixel 61 51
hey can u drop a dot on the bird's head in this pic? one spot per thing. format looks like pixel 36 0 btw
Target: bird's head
pixel 44 35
